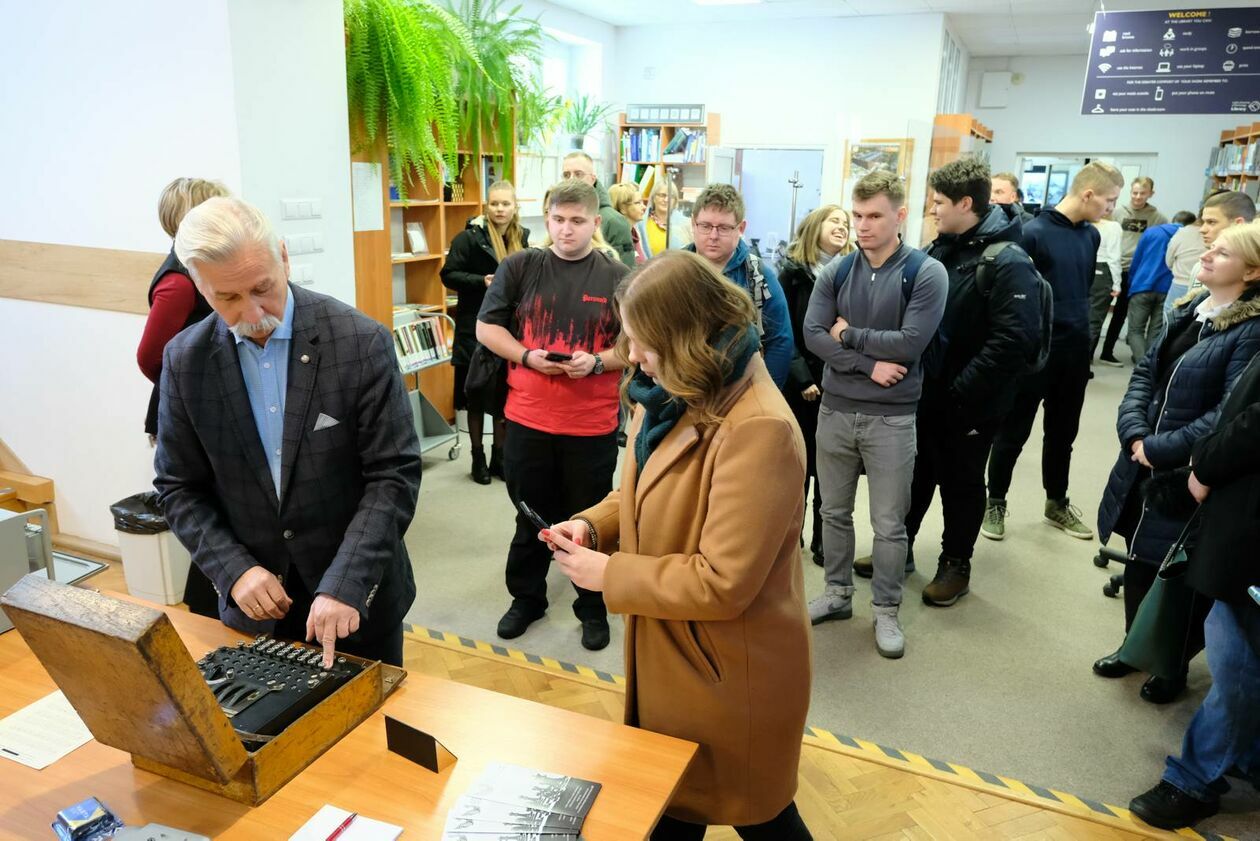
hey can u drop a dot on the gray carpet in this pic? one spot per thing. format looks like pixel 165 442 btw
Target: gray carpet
pixel 1001 682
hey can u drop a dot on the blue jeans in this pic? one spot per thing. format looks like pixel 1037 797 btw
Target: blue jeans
pixel 1226 729
pixel 1175 292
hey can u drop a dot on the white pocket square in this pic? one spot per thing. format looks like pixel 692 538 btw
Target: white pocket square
pixel 324 422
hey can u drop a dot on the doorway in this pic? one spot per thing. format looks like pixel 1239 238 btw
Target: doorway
pixel 763 176
pixel 1045 178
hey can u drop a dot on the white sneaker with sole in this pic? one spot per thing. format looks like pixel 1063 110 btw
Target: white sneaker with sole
pixel 890 640
pixel 834 603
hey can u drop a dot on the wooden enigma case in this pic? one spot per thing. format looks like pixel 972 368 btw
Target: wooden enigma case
pixel 129 676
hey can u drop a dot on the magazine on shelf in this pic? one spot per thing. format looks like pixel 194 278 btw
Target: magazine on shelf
pixel 416 239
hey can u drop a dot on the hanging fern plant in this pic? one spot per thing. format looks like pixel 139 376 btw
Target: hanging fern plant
pixel 402 59
pixel 509 47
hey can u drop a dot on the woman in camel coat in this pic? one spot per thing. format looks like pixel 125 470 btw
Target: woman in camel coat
pixel 698 549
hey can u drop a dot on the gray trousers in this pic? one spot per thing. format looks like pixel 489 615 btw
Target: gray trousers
pixel 885 445
pixel 1146 319
pixel 1099 302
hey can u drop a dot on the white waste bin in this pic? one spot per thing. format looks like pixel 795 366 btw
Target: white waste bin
pixel 155 564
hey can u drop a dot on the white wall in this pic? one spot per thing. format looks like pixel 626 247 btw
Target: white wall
pixel 812 83
pixel 1043 115
pixel 104 105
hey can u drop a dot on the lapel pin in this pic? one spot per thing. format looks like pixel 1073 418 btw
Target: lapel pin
pixel 306 358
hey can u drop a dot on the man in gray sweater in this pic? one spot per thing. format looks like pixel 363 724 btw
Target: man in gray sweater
pixel 870 319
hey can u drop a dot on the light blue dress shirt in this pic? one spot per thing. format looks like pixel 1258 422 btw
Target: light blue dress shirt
pixel 266 373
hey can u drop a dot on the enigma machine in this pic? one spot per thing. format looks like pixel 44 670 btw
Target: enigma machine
pixel 240 722
pixel 266 685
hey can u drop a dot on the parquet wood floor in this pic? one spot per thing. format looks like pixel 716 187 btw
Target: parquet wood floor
pixel 845 794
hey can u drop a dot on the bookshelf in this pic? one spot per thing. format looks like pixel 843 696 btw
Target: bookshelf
pixel 644 151
pixel 1234 163
pixel 387 275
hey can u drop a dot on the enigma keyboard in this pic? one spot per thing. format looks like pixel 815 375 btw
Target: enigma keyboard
pixel 266 685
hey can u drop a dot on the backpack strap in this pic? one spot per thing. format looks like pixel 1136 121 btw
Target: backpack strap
pixel 988 261
pixel 844 269
pixel 910 272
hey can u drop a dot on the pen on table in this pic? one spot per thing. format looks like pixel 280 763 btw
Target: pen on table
pixel 336 833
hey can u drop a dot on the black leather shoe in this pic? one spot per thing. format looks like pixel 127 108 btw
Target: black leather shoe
pixel 480 471
pixel 594 634
pixel 818 559
pixel 516 620
pixel 496 463
pixel 1111 666
pixel 1162 690
pixel 1168 807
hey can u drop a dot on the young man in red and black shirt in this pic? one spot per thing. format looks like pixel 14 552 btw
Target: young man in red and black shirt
pixel 550 314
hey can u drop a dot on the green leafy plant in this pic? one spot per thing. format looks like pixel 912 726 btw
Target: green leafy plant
pixel 509 47
pixel 401 60
pixel 538 113
pixel 584 115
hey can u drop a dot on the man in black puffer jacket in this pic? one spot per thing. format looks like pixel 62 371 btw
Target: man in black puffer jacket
pixel 989 336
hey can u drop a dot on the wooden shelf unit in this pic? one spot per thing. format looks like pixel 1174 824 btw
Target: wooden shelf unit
pixel 378 272
pixel 691 176
pixel 953 135
pixel 1235 173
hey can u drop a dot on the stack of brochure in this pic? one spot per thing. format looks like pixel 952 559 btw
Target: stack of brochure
pixel 510 803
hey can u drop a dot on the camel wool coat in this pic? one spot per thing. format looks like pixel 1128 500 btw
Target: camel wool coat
pixel 705 566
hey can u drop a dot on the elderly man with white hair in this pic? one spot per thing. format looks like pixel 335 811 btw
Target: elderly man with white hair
pixel 287 459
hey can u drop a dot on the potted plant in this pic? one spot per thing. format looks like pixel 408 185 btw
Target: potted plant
pixel 582 116
pixel 401 56
pixel 538 114
pixel 508 49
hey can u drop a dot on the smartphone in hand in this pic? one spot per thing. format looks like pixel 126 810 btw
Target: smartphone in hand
pixel 532 516
pixel 1254 592
pixel 556 356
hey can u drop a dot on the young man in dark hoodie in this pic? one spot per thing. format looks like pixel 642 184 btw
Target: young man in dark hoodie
pixel 994 332
pixel 1064 245
pixel 870 325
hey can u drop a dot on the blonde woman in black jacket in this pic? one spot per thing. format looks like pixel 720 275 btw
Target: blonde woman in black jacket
pixel 474 256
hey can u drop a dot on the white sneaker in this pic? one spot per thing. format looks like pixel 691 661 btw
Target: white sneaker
pixel 889 638
pixel 834 603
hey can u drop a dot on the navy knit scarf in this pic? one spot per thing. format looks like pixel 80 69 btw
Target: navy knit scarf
pixel 662 410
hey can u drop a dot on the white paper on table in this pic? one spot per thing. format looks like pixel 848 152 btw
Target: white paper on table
pixel 365 193
pixel 326 820
pixel 41 733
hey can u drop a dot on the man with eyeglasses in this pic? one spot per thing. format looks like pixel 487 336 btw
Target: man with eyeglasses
pixel 614 227
pixel 718 223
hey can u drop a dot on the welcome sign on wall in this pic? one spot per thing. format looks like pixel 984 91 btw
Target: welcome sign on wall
pixel 1183 61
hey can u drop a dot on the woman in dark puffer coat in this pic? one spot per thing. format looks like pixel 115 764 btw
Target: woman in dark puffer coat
pixel 1174 399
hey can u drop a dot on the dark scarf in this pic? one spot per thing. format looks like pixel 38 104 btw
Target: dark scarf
pixel 662 410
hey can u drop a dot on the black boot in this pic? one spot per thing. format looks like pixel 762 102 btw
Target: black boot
pixel 480 473
pixel 496 463
pixel 1168 807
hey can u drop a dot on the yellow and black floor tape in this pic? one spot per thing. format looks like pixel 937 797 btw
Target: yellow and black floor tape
pixel 1059 800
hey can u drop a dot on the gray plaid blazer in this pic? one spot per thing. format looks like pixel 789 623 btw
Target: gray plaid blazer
pixel 347 491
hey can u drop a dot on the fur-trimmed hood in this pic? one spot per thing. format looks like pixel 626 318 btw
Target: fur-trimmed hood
pixel 1244 309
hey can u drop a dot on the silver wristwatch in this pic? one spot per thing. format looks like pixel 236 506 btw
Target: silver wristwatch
pixel 599 365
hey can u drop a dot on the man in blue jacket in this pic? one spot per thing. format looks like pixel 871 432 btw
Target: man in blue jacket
pixel 1064 246
pixel 718 224
pixel 1149 281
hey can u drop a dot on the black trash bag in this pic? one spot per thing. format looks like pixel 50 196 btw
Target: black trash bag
pixel 139 514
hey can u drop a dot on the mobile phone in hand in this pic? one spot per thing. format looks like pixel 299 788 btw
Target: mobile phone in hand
pixel 1254 592
pixel 556 356
pixel 532 516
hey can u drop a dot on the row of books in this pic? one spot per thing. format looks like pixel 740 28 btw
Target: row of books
pixel 1235 159
pixel 421 342
pixel 644 175
pixel 686 147
pixel 641 144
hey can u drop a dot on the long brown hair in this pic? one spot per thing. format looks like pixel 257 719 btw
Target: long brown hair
pixel 512 239
pixel 804 249
pixel 678 306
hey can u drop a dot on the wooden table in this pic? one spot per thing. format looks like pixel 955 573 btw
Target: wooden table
pixel 639 770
